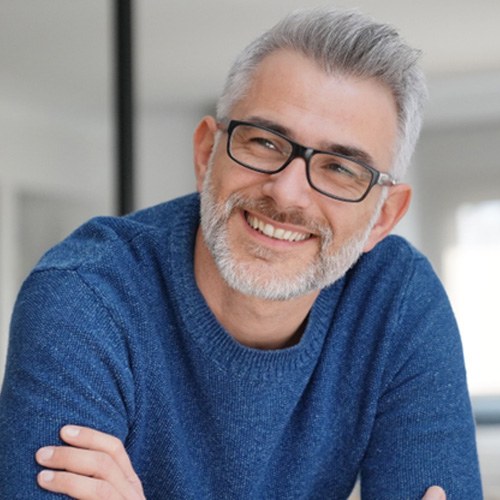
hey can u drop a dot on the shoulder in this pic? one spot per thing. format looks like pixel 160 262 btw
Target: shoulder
pixel 394 267
pixel 399 302
pixel 107 239
pixel 412 306
pixel 118 265
pixel 394 251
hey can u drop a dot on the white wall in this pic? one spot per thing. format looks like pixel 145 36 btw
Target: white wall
pixel 164 151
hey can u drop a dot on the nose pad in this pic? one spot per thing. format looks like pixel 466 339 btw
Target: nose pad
pixel 290 187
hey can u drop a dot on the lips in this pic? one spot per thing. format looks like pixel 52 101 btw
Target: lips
pixel 275 232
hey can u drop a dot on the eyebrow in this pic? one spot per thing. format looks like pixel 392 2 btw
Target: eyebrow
pixel 351 152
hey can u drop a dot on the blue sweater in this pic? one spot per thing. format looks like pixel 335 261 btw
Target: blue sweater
pixel 111 331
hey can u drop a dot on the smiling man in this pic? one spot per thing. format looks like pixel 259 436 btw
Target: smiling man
pixel 276 230
pixel 266 338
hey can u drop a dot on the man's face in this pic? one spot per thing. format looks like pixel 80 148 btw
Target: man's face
pixel 273 236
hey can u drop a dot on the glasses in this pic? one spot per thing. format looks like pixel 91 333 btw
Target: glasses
pixel 335 175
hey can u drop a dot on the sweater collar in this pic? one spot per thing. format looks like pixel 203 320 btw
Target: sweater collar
pixel 199 324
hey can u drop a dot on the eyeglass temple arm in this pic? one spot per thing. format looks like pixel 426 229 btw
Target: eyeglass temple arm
pixel 386 180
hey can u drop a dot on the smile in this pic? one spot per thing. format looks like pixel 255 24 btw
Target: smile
pixel 274 232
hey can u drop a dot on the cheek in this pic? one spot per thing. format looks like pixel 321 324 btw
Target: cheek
pixel 228 178
pixel 346 220
pixel 216 175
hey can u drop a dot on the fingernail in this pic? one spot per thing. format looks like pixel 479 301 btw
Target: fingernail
pixel 435 493
pixel 45 454
pixel 71 431
pixel 46 476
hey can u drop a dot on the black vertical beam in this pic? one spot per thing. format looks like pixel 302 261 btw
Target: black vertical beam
pixel 124 106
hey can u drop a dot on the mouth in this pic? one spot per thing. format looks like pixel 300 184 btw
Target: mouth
pixel 277 233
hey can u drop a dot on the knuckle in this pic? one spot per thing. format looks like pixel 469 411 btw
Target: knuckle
pixel 115 446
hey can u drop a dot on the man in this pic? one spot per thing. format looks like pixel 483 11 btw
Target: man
pixel 277 348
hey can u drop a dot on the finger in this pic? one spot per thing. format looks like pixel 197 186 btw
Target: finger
pixel 84 437
pixel 76 486
pixel 434 493
pixel 84 462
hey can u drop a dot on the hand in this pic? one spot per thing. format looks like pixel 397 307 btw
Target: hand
pixel 94 466
pixel 434 493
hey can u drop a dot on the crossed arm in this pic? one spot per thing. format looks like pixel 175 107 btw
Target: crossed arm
pixel 95 465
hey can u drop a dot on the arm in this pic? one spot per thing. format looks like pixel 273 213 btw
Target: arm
pixel 424 431
pixel 67 362
pixel 96 465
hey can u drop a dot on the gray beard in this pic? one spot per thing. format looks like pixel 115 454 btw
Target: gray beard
pixel 265 283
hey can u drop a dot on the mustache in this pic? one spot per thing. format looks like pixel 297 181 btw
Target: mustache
pixel 268 208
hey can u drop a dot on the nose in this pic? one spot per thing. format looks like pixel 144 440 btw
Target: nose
pixel 289 188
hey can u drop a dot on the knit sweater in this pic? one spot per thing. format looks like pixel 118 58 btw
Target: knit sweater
pixel 111 331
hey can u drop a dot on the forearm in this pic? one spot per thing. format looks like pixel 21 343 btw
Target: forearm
pixel 60 369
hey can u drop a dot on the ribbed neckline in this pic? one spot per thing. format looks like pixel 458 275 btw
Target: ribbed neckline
pixel 203 328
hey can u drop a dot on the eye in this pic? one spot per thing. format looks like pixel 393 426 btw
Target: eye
pixel 340 169
pixel 265 143
pixel 260 142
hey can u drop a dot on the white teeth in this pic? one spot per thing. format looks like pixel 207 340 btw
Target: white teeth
pixel 277 233
pixel 268 230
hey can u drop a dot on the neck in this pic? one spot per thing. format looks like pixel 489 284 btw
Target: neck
pixel 254 322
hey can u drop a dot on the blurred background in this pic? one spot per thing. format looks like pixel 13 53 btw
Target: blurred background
pixel 58 156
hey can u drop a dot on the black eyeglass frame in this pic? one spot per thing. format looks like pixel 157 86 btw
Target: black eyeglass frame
pixel 306 153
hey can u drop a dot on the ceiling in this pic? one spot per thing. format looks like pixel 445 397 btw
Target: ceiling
pixel 58 53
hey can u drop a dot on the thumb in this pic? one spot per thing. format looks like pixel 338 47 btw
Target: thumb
pixel 434 493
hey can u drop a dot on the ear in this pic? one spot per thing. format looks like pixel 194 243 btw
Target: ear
pixel 394 208
pixel 203 142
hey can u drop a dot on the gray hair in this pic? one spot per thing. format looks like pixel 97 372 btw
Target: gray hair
pixel 349 43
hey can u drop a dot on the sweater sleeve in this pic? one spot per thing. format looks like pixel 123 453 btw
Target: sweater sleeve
pixel 67 363
pixel 424 432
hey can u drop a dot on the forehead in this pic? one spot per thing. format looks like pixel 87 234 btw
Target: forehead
pixel 319 108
